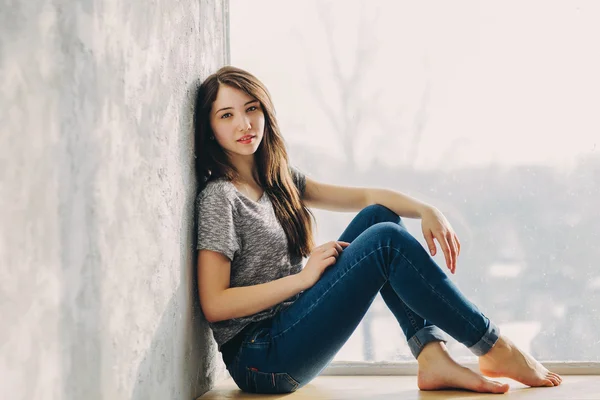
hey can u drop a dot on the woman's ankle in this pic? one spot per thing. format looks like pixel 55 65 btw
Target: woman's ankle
pixel 500 345
pixel 432 351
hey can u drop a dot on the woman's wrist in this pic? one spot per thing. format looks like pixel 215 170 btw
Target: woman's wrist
pixel 425 209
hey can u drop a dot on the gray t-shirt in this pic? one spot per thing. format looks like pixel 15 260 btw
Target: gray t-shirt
pixel 250 235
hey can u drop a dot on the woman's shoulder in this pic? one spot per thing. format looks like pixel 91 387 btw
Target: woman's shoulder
pixel 219 188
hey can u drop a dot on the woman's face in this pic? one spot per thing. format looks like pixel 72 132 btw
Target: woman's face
pixel 235 114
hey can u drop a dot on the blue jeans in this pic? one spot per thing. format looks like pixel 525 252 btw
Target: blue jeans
pixel 285 352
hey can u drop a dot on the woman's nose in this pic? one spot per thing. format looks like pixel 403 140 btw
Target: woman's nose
pixel 244 124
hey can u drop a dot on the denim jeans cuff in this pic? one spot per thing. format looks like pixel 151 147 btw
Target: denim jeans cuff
pixel 489 339
pixel 425 335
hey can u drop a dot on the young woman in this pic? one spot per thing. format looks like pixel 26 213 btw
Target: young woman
pixel 278 325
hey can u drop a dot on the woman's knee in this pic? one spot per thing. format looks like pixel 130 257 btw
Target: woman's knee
pixel 391 240
pixel 397 236
pixel 381 212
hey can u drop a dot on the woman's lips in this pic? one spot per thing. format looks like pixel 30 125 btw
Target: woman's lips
pixel 249 140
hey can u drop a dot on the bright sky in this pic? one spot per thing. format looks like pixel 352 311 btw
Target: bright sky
pixel 510 82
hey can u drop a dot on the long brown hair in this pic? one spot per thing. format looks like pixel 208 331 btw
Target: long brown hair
pixel 271 158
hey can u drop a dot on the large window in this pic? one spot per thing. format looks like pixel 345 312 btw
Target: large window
pixel 487 110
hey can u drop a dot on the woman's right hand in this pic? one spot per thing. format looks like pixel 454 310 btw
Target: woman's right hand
pixel 320 259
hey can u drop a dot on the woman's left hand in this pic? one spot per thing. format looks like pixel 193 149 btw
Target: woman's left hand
pixel 435 225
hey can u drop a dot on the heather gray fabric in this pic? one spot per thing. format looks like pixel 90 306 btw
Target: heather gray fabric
pixel 250 235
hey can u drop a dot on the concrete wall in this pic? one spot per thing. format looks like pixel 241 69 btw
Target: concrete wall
pixel 97 283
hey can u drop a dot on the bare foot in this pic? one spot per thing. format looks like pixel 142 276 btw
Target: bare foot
pixel 506 359
pixel 437 370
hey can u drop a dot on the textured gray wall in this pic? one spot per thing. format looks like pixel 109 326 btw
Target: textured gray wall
pixel 97 283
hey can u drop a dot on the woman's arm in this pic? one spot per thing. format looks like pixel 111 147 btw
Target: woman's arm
pixel 400 203
pixel 248 300
pixel 348 198
pixel 220 302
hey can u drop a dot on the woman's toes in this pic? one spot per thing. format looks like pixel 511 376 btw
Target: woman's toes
pixel 558 377
pixel 487 386
pixel 548 382
pixel 501 387
pixel 555 379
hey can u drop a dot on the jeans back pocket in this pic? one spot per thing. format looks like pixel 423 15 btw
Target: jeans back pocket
pixel 269 382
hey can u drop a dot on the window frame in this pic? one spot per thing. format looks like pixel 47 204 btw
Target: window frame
pixel 409 368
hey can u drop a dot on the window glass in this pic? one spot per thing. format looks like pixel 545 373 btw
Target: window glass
pixel 487 110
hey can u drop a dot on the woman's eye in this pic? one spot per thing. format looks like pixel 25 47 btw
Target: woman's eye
pixel 249 109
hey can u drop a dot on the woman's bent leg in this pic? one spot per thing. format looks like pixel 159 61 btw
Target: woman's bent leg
pixel 301 340
pixel 418 331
